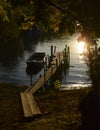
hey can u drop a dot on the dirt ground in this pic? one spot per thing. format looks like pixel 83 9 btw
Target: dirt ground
pixel 60 109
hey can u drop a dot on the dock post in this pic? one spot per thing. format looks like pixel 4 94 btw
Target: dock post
pixel 66 46
pixel 68 55
pixel 46 63
pixel 55 49
pixel 51 51
pixel 59 58
pixel 44 76
pixel 65 55
pixel 31 79
pixel 56 63
pixel 48 59
pixel 66 58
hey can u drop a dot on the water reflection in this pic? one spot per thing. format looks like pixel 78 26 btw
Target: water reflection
pixel 13 66
pixel 12 59
pixel 80 47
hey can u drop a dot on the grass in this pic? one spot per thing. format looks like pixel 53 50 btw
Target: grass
pixel 60 109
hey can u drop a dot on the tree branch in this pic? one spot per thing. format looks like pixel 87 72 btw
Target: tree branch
pixel 57 7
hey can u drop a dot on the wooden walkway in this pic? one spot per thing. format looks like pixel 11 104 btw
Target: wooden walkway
pixel 30 107
pixel 53 67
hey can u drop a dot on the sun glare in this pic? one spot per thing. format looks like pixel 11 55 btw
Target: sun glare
pixel 80 47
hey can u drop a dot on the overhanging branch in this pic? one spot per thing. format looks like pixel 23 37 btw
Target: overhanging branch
pixel 58 7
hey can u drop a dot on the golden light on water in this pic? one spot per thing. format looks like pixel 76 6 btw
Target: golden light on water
pixel 80 47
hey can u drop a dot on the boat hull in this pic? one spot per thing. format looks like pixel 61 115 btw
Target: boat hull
pixel 36 60
pixel 34 64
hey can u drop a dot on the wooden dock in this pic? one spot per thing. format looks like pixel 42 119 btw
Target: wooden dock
pixel 29 105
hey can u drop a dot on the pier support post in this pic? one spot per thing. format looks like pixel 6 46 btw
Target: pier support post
pixel 55 49
pixel 31 79
pixel 67 56
pixel 56 63
pixel 46 64
pixel 45 69
pixel 51 51
pixel 48 59
pixel 59 58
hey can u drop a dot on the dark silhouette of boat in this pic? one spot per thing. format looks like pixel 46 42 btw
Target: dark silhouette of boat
pixel 36 60
pixel 33 70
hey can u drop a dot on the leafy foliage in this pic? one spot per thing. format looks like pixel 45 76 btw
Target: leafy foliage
pixel 56 16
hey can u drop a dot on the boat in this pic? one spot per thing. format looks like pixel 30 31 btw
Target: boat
pixel 33 70
pixel 37 59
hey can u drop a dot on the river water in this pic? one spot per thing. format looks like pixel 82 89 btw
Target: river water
pixel 14 70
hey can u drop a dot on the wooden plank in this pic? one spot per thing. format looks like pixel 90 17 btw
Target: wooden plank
pixel 33 105
pixel 29 105
pixel 25 104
